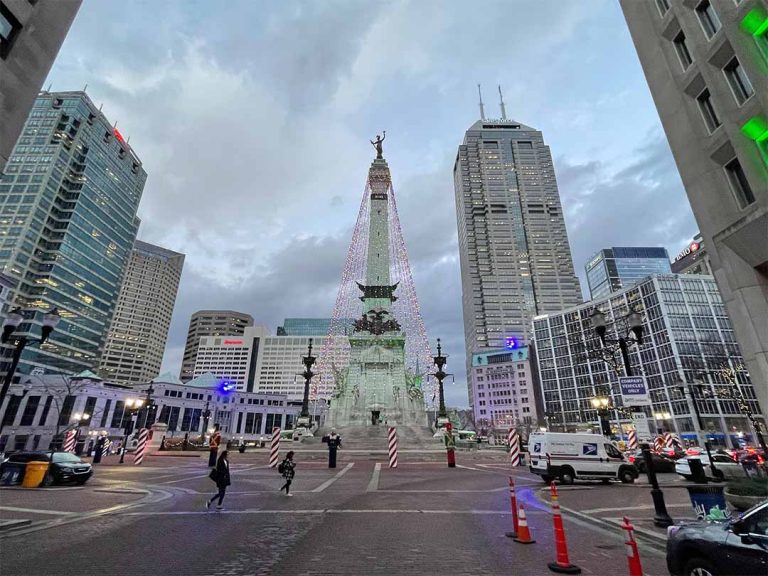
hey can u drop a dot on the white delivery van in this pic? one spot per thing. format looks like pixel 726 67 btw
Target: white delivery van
pixel 583 456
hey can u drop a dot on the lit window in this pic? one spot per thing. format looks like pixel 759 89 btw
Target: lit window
pixel 708 18
pixel 682 50
pixel 739 183
pixel 737 78
pixel 704 101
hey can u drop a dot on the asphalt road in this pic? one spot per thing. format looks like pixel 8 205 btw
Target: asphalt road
pixel 361 518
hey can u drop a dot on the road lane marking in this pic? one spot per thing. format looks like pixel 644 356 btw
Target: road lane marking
pixel 619 509
pixel 330 481
pixel 35 511
pixel 373 485
pixel 322 511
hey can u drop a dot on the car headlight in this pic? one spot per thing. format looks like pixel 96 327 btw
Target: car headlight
pixel 66 469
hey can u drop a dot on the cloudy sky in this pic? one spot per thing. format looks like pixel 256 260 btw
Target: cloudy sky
pixel 253 118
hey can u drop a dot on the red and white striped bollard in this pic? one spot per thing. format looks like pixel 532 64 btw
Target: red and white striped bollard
pixel 70 439
pixel 392 445
pixel 514 448
pixel 632 440
pixel 141 449
pixel 274 448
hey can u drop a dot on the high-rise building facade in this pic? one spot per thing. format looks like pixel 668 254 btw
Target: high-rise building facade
pixel 615 268
pixel 705 62
pixel 280 365
pixel 231 358
pixel 687 337
pixel 503 391
pixel 693 259
pixel 68 202
pixel 514 251
pixel 136 340
pixel 31 34
pixel 210 323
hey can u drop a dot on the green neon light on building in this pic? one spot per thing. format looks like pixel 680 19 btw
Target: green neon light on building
pixel 755 22
pixel 756 128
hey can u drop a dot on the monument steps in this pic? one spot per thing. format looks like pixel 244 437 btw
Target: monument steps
pixel 375 437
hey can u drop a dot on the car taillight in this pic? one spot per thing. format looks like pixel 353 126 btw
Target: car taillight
pixel 632 459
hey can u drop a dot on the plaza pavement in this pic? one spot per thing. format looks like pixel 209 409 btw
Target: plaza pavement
pixel 359 519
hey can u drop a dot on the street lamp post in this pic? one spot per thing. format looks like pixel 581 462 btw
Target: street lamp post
pixel 662 417
pixel 206 417
pixel 304 420
pixel 687 387
pixel 79 418
pixel 634 335
pixel 600 404
pixel 148 406
pixel 14 319
pixel 132 405
pixel 440 361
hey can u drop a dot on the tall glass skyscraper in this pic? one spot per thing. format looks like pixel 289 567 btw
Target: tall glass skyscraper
pixel 515 258
pixel 68 202
pixel 612 269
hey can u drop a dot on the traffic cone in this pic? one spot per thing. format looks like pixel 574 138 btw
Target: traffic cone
pixel 633 556
pixel 513 505
pixel 523 533
pixel 563 564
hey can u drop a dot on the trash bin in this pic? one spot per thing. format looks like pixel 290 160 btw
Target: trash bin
pixel 697 471
pixel 704 498
pixel 241 449
pixel 13 473
pixel 35 473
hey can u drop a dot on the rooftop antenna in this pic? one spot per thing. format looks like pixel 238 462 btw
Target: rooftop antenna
pixel 101 106
pixel 503 110
pixel 85 87
pixel 482 109
pixel 49 87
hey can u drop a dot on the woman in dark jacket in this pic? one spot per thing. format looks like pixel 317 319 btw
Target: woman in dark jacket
pixel 221 476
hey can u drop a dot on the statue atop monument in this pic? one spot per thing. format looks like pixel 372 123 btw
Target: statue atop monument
pixel 378 145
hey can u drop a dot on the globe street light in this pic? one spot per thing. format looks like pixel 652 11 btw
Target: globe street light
pixel 14 319
pixel 601 404
pixel 79 418
pixel 440 361
pixel 132 406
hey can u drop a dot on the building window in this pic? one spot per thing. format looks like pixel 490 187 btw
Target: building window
pixel 737 78
pixel 704 101
pixel 682 50
pixel 708 18
pixel 663 6
pixel 739 184
pixel 9 30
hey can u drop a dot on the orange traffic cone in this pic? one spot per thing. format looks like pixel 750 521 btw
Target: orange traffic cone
pixel 633 556
pixel 563 564
pixel 513 505
pixel 523 533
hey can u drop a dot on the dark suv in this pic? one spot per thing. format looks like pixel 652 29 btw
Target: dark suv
pixel 64 466
pixel 717 548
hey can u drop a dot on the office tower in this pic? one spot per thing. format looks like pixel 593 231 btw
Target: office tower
pixel 705 63
pixel 231 358
pixel 68 204
pixel 503 391
pixel 31 34
pixel 210 323
pixel 280 366
pixel 514 252
pixel 137 337
pixel 615 268
pixel 693 259
pixel 7 283
pixel 687 338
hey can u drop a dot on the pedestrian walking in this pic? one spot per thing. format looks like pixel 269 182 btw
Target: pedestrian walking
pixel 214 446
pixel 220 475
pixel 334 443
pixel 287 469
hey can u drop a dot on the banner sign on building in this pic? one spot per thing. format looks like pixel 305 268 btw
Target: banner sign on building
pixel 634 390
pixel 640 422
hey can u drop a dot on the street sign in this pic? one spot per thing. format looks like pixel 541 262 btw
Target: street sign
pixel 634 391
pixel 640 422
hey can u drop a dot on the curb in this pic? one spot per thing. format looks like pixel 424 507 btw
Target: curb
pixel 643 534
pixel 11 524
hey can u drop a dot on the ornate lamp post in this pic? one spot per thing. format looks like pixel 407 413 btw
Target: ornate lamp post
pixel 78 419
pixel 440 361
pixel 633 335
pixel 688 387
pixel 661 417
pixel 206 415
pixel 132 406
pixel 601 404
pixel 14 319
pixel 304 420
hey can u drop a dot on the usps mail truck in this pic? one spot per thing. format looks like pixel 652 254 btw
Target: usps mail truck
pixel 581 456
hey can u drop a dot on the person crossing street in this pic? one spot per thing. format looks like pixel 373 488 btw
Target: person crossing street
pixel 214 446
pixel 220 475
pixel 287 470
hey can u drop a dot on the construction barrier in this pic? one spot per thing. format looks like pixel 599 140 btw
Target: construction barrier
pixel 633 556
pixel 274 449
pixel 668 440
pixel 562 564
pixel 658 443
pixel 392 445
pixel 70 439
pixel 514 448
pixel 142 447
pixel 523 532
pixel 632 440
pixel 513 506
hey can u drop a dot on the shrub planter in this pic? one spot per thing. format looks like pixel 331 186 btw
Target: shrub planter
pixel 741 502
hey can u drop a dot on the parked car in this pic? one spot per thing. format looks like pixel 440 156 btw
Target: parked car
pixel 64 466
pixel 568 457
pixel 718 548
pixel 725 467
pixel 661 463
